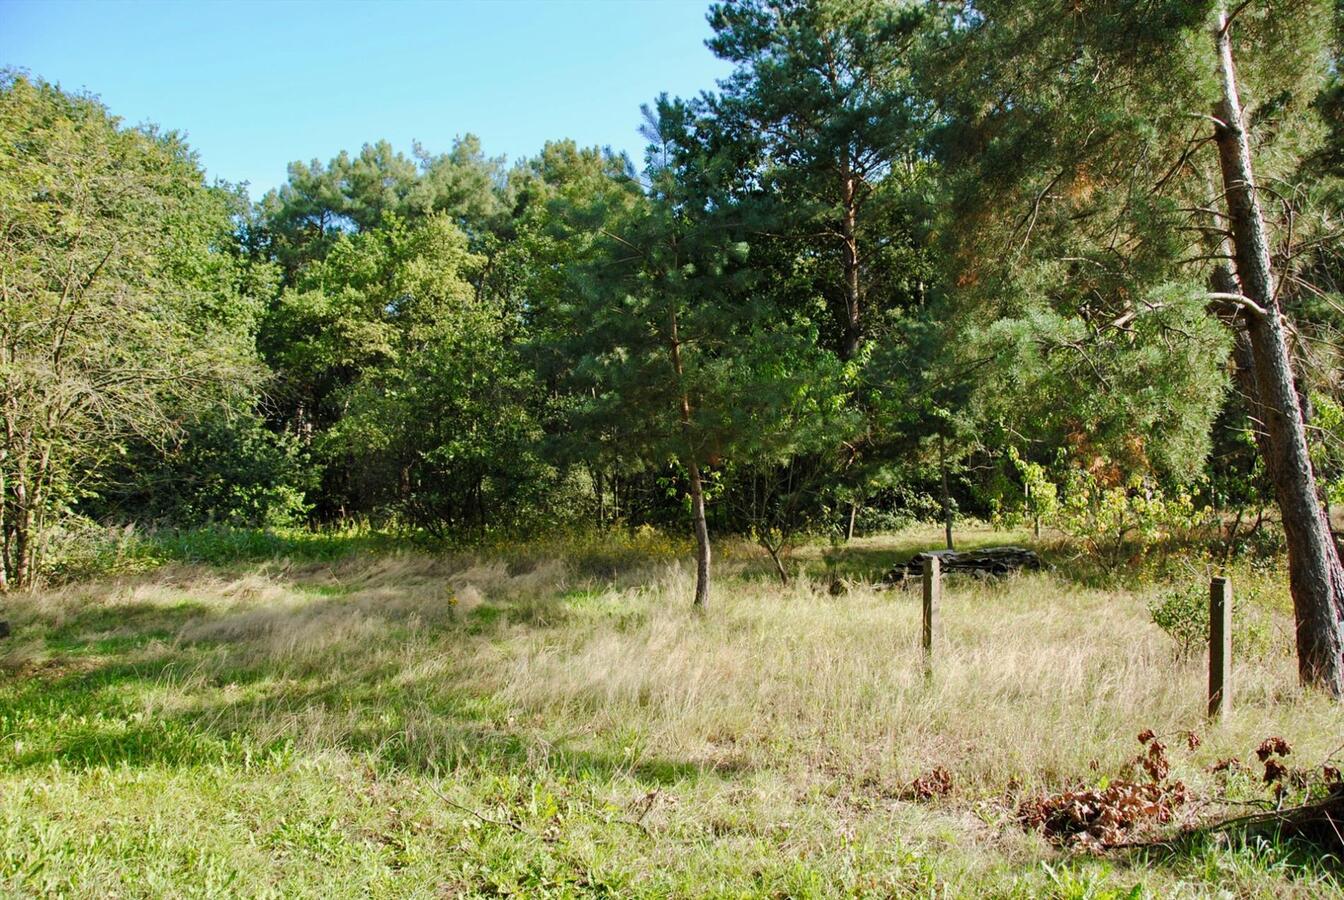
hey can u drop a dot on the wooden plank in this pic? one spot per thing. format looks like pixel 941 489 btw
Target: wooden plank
pixel 1220 647
pixel 933 590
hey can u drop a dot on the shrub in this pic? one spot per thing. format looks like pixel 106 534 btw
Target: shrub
pixel 878 520
pixel 222 470
pixel 79 548
pixel 1035 501
pixel 1183 613
pixel 1117 521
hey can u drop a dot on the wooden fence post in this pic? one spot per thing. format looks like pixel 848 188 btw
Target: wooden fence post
pixel 1220 647
pixel 933 590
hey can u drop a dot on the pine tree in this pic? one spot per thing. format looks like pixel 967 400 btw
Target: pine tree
pixel 1085 143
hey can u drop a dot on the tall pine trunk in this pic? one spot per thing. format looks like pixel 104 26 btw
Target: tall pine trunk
pixel 692 464
pixel 701 536
pixel 849 234
pixel 1316 577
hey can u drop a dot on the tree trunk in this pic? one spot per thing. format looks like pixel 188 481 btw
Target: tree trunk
pixel 947 494
pixel 701 536
pixel 853 518
pixel 779 563
pixel 848 229
pixel 4 523
pixel 1035 516
pixel 22 528
pixel 597 489
pixel 1316 577
pixel 697 488
pixel 22 554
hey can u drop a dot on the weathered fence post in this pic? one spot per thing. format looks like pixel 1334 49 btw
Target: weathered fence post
pixel 933 590
pixel 1220 647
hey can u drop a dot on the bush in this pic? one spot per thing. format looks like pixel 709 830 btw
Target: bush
pixel 1183 613
pixel 78 548
pixel 1122 521
pixel 221 470
pixel 1036 501
pixel 876 520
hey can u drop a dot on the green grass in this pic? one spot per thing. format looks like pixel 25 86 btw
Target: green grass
pixel 538 722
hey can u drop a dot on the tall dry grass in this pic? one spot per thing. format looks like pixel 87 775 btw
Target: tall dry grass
pixel 376 718
pixel 1035 680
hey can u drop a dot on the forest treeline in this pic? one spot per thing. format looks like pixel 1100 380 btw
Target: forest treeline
pixel 1073 263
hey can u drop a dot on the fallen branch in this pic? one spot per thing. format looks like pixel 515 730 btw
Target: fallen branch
pixel 498 823
pixel 1320 821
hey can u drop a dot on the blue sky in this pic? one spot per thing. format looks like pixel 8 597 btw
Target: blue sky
pixel 258 84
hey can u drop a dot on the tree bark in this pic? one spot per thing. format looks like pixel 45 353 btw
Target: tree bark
pixel 848 230
pixel 947 493
pixel 22 523
pixel 779 563
pixel 701 535
pixel 597 489
pixel 1035 516
pixel 4 522
pixel 1316 577
pixel 702 556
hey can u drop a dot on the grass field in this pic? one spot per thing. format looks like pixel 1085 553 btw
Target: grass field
pixel 556 722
